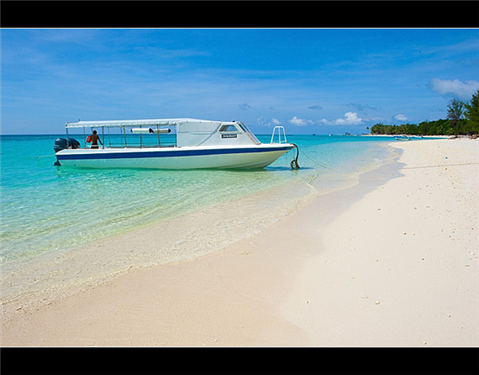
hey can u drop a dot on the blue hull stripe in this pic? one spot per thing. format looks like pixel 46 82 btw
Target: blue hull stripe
pixel 165 154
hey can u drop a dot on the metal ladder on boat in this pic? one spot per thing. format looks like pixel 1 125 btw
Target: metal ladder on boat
pixel 294 162
pixel 280 141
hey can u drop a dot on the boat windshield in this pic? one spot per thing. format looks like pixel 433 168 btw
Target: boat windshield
pixel 228 128
pixel 246 129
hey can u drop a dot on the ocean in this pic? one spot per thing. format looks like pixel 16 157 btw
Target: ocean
pixel 50 213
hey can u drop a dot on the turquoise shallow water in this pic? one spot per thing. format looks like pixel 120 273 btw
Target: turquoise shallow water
pixel 64 229
pixel 45 208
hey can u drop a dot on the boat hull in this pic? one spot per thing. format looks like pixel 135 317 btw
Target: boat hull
pixel 258 156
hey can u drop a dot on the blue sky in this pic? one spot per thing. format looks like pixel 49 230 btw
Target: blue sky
pixel 308 80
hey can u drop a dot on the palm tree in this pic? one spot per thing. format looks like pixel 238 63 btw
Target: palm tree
pixel 455 110
pixel 472 113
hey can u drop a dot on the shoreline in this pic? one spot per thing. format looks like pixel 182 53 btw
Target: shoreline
pixel 268 288
pixel 29 284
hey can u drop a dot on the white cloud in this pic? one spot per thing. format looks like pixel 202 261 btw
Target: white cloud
pixel 263 122
pixel 400 117
pixel 350 118
pixel 455 88
pixel 299 121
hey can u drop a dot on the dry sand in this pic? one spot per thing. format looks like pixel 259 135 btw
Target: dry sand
pixel 392 261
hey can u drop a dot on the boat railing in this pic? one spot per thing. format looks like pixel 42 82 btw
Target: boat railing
pixel 127 139
pixel 280 140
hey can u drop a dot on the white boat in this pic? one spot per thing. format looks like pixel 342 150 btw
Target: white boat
pixel 195 144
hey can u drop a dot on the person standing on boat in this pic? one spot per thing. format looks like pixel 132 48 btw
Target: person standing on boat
pixel 94 139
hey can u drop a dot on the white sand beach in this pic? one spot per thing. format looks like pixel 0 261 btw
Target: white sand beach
pixel 391 261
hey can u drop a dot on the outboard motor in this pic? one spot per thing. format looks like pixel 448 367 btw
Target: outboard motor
pixel 64 143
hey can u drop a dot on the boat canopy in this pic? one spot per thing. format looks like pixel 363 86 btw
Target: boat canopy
pixel 189 131
pixel 122 123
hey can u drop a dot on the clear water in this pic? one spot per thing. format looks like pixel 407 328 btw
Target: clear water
pixel 47 210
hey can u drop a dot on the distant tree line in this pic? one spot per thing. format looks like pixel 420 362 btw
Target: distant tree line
pixel 462 118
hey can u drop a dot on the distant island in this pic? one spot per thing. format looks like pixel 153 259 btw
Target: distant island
pixel 462 119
